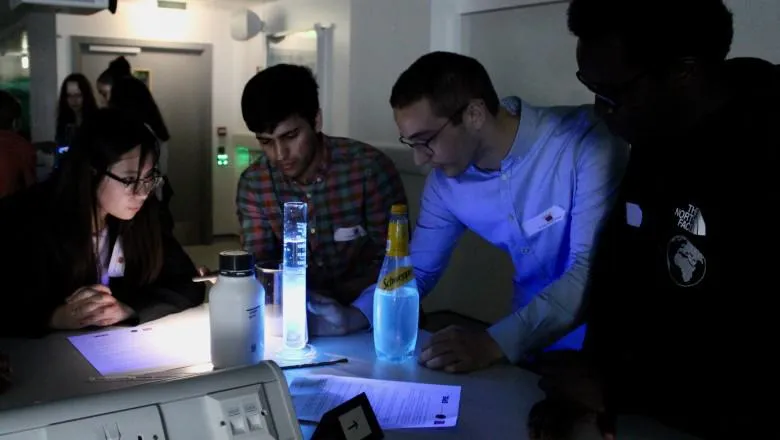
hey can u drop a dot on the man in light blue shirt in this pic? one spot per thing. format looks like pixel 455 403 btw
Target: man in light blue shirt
pixel 535 182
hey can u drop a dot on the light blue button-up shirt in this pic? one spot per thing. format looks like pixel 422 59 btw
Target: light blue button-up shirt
pixel 544 207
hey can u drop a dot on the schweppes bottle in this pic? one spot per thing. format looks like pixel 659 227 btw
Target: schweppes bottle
pixel 396 299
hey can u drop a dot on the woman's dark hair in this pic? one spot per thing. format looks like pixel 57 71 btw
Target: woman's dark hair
pixel 65 115
pixel 99 144
pixel 130 94
pixel 119 68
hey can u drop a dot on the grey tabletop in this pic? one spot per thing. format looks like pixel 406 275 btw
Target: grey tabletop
pixel 494 402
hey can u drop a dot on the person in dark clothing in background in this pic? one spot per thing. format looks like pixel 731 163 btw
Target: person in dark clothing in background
pixel 117 69
pixel 77 104
pixel 87 248
pixel 679 322
pixel 17 154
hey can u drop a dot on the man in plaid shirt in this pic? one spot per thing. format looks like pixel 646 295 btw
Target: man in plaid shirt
pixel 348 186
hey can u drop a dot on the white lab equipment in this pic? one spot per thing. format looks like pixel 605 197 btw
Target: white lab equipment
pixel 250 403
pixel 237 312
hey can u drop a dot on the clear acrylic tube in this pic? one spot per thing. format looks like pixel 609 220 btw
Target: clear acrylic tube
pixel 294 331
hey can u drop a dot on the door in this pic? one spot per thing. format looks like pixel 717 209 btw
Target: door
pixel 528 52
pixel 179 77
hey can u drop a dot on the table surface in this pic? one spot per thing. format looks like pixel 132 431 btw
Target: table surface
pixel 494 402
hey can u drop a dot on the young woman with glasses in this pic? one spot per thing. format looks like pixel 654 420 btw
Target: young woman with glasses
pixel 86 248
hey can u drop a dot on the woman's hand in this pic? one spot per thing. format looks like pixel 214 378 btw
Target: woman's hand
pixel 90 306
pixel 203 272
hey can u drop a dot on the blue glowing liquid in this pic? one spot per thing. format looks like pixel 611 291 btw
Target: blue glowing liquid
pixel 294 289
pixel 396 318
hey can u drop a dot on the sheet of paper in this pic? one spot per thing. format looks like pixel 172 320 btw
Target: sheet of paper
pixel 146 349
pixel 396 404
pixel 179 342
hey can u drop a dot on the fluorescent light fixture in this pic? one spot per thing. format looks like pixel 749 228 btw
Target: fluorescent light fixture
pixel 115 49
pixel 172 4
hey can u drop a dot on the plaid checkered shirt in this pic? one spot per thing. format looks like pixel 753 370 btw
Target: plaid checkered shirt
pixel 348 205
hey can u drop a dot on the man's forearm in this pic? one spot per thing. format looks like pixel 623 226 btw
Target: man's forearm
pixel 548 317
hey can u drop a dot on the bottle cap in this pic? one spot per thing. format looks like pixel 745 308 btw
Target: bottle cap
pixel 236 263
pixel 398 209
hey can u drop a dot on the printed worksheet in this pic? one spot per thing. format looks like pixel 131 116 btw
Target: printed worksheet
pixel 396 404
pixel 147 348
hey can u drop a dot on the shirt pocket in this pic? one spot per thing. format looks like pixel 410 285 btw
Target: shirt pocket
pixel 349 228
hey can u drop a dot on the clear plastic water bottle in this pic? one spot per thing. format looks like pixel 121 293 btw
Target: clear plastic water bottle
pixel 237 312
pixel 396 298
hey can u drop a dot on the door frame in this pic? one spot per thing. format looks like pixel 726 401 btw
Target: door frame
pixel 80 45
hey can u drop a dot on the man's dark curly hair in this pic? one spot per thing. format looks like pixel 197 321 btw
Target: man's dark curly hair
pixel 657 30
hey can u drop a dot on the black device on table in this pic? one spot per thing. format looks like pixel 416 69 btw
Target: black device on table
pixel 353 419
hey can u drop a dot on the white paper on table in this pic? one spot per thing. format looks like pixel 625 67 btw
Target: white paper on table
pixel 148 348
pixel 396 404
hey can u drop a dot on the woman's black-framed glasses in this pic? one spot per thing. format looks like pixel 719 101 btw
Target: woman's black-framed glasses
pixel 425 145
pixel 139 186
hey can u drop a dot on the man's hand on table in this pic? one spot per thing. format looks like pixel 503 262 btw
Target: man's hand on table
pixel 458 350
pixel 327 317
pixel 90 306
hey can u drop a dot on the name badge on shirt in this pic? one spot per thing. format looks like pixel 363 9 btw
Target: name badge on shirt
pixel 349 234
pixel 633 215
pixel 116 265
pixel 544 220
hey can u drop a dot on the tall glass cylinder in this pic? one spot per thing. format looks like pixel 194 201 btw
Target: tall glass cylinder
pixel 294 276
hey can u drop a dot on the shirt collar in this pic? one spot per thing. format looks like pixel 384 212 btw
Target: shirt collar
pixel 527 131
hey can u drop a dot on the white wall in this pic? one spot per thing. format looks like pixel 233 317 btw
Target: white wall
pixel 41 36
pixel 374 40
pixel 301 15
pixel 756 28
pixel 11 67
pixel 387 36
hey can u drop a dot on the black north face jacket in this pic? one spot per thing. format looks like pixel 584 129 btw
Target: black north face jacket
pixel 684 291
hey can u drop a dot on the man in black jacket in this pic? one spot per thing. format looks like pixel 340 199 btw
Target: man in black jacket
pixel 679 322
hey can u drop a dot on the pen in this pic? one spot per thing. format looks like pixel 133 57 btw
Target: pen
pixel 135 378
pixel 210 277
pixel 315 364
pixel 132 378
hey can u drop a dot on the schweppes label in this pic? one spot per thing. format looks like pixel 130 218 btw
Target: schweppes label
pixel 397 278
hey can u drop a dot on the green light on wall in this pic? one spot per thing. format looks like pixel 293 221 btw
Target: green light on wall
pixel 222 157
pixel 243 157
